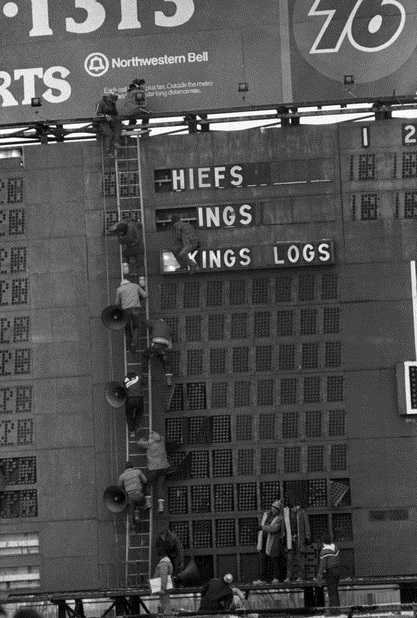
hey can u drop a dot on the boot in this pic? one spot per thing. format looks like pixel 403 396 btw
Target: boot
pixel 161 505
pixel 148 502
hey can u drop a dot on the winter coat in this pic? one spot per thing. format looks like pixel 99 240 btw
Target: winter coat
pixel 216 596
pixel 273 526
pixel 156 454
pixel 329 560
pixel 133 103
pixel 300 529
pixel 185 233
pixel 132 480
pixel 160 332
pixel 107 106
pixel 133 387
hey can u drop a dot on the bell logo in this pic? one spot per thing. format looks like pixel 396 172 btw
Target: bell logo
pixel 96 64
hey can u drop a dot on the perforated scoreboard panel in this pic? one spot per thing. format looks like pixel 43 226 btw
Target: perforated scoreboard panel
pixel 263 400
pixel 18 498
pixel 259 405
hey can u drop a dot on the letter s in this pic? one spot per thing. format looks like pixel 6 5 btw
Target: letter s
pixel 237 177
pixel 324 252
pixel 245 212
pixel 61 85
pixel 244 256
pixel 183 13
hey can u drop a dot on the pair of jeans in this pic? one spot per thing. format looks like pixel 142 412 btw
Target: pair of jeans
pixel 295 564
pixel 134 410
pixel 331 578
pixel 275 566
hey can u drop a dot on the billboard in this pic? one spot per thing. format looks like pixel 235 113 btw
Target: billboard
pixel 202 54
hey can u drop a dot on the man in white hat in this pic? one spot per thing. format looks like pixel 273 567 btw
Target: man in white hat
pixel 271 545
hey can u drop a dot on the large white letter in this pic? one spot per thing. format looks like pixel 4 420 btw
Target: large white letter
pixel 28 82
pixel 54 83
pixel 7 98
pixel 185 10
pixel 96 16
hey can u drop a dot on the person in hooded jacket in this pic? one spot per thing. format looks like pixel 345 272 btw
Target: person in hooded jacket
pixel 329 569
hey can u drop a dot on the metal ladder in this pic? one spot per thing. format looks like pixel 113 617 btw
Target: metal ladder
pixel 129 202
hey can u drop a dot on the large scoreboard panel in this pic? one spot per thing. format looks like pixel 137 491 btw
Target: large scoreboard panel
pixel 284 362
pixel 286 344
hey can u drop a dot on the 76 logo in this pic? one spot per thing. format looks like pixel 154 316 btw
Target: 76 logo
pixel 369 25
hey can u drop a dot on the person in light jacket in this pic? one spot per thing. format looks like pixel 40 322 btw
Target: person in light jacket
pixel 158 464
pixel 161 345
pixel 164 569
pixel 271 537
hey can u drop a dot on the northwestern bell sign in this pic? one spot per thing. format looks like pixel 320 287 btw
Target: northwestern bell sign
pixel 203 54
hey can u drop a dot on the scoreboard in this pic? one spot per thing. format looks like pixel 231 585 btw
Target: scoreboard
pixel 286 343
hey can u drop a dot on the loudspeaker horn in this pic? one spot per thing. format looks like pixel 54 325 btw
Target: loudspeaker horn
pixel 115 499
pixel 114 317
pixel 115 394
pixel 190 575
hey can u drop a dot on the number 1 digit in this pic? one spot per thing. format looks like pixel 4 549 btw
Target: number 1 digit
pixel 40 18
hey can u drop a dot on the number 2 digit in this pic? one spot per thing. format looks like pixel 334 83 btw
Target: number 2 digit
pixel 410 134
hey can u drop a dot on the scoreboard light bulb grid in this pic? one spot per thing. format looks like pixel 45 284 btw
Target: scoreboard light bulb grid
pixel 225 532
pixel 221 429
pixel 193 327
pixel 244 427
pixel 214 293
pixel 216 327
pixel 245 462
pixel 315 458
pixel 268 460
pixel 239 325
pixel 219 395
pixel 289 425
pixel 217 361
pixel 266 426
pixel 308 321
pixel 263 358
pixel 265 392
pixel 313 423
pixel 242 391
pixel 262 324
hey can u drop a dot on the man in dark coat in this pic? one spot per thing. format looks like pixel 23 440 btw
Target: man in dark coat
pixel 129 234
pixel 107 122
pixel 134 401
pixel 186 240
pixel 300 538
pixel 216 595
